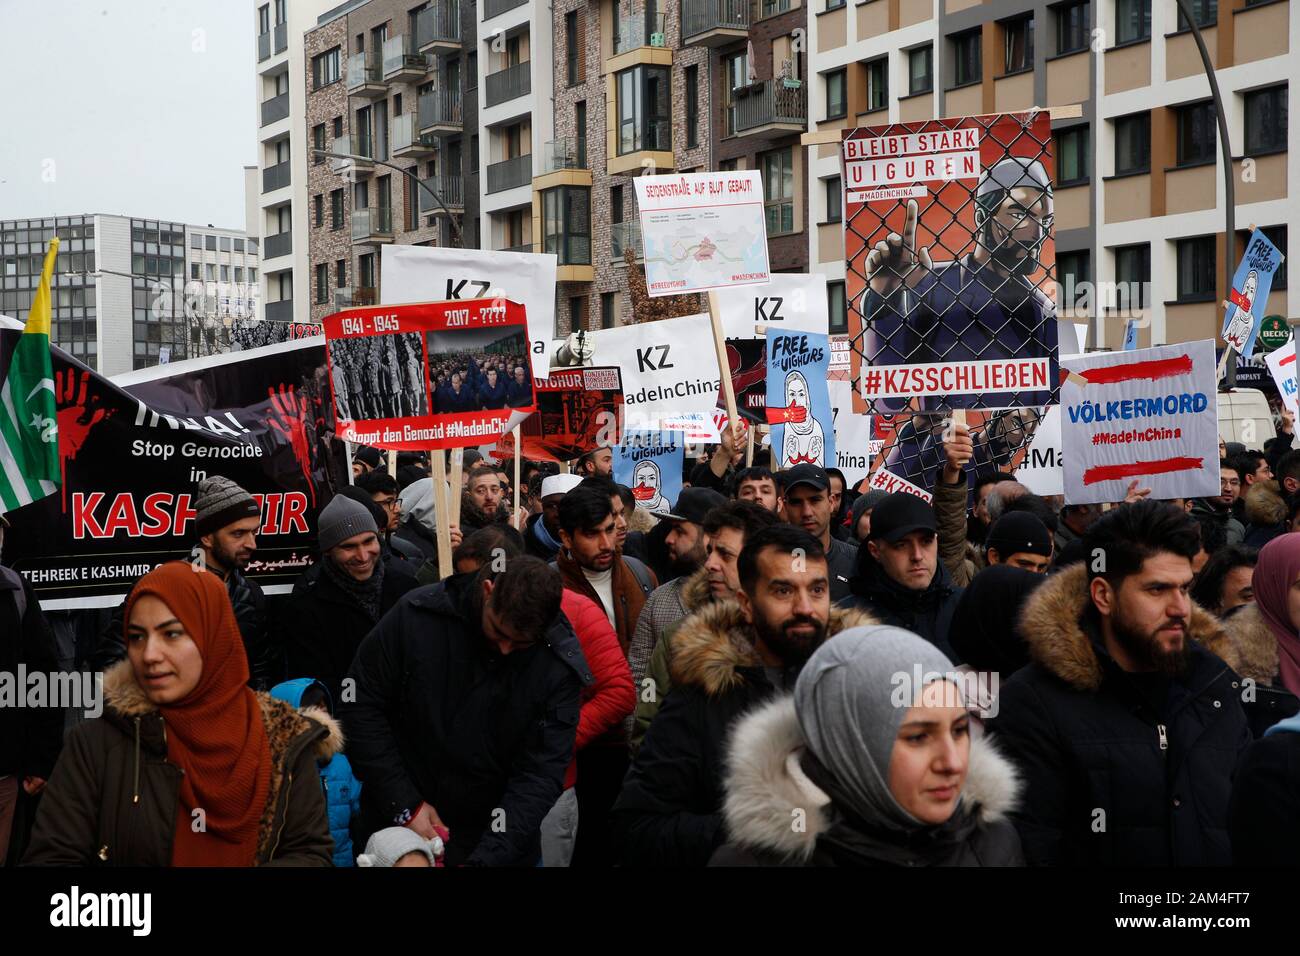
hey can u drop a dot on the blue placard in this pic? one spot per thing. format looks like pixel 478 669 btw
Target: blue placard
pixel 651 463
pixel 1130 335
pixel 798 403
pixel 1249 295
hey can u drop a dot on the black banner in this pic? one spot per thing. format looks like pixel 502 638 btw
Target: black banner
pixel 132 456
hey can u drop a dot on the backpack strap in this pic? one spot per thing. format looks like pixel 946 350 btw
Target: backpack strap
pixel 640 572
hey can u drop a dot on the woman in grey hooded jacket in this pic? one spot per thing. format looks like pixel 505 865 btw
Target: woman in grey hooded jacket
pixel 874 761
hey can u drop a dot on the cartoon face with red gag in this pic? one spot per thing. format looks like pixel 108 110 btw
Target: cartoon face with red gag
pixel 646 485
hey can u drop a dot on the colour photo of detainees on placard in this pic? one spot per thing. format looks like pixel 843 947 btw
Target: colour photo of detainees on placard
pixel 475 370
pixel 377 377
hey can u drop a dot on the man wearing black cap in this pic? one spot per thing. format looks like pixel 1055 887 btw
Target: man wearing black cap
pixel 366 459
pixel 808 505
pixel 1020 540
pixel 898 575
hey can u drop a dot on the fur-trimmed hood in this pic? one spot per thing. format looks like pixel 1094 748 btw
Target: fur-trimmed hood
pixel 713 644
pixel 639 519
pixel 1052 626
pixel 1264 504
pixel 1253 644
pixel 765 783
pixel 695 593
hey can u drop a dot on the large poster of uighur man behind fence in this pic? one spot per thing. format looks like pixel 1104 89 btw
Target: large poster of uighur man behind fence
pixel 950 279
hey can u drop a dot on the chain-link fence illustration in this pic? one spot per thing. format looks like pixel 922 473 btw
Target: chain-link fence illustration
pixel 950 284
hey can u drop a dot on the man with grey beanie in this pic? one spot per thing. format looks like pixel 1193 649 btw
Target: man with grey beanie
pixel 227 519
pixel 337 601
pixel 875 752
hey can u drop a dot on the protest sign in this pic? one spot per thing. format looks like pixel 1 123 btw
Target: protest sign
pixel 1149 415
pixel 1281 364
pixel 1248 297
pixel 883 480
pixel 1040 468
pixel 577 410
pixel 438 375
pixel 702 231
pixel 855 448
pixel 132 453
pixel 651 464
pixel 798 405
pixel 441 273
pixel 949 252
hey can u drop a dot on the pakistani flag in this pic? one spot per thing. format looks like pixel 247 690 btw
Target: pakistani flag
pixel 29 431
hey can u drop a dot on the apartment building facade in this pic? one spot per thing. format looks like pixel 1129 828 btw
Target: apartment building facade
pixel 388 83
pixel 1139 195
pixel 120 293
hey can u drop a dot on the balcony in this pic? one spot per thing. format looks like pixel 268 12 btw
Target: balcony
pixel 569 249
pixel 281 244
pixel 263 47
pixel 494 8
pixel 275 109
pixel 525 247
pixel 440 112
pixel 624 235
pixel 365 295
pixel 281 37
pixel 407 142
pixel 567 153
pixel 770 108
pixel 402 62
pixel 510 173
pixel 358 145
pixel 437 28
pixel 714 22
pixel 343 298
pixel 364 77
pixel 450 189
pixel 760 9
pixel 642 145
pixel 638 30
pixel 275 177
pixel 372 225
pixel 281 311
pixel 509 83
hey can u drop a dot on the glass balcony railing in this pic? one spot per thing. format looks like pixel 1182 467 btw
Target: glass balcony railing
pixel 357 144
pixel 510 173
pixel 263 47
pixel 509 83
pixel 493 8
pixel 624 235
pixel 640 29
pixel 408 139
pixel 363 70
pixel 371 222
pixel 569 249
pixel 567 153
pixel 770 102
pixel 450 189
pixel 401 58
pixel 702 16
pixel 275 109
pixel 438 24
pixel 440 109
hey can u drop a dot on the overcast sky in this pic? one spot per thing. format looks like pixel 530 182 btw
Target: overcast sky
pixel 136 107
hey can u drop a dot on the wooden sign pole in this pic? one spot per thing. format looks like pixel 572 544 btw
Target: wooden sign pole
pixel 724 369
pixel 518 449
pixel 749 448
pixel 442 514
pixel 457 480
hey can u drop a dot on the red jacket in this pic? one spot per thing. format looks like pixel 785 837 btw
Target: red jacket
pixel 611 696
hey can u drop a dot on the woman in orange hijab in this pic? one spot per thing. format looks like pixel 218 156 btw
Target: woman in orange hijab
pixel 187 766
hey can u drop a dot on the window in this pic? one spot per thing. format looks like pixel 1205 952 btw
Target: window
pixel 878 84
pixel 1204 12
pixel 920 72
pixel 471 72
pixel 322 284
pixel 1196 269
pixel 325 68
pixel 341 273
pixel 318 209
pixel 252 275
pixel 834 198
pixel 211 272
pixel 210 243
pixel 834 4
pixel 1018 45
pixel 264 19
pixel 194 270
pixel 1072 27
pixel 1196 129
pixel 607 310
pixel 1266 120
pixel 837 307
pixel 280 13
pixel 580 127
pixel 967 65
pixel 225 273
pixel 1072 155
pixel 573 47
pixel 566 224
pixel 836 101
pixel 1072 270
pixel 735 74
pixel 1133 276
pixel 615 204
pixel 1132 20
pixel 577 312
pixel 1133 144
pixel 644 109
pixel 778 189
pixel 338 127
pixel 336 208
pixel 239 245
pixel 196 241
pixel 318 142
pixel 1277 236
pixel 692 107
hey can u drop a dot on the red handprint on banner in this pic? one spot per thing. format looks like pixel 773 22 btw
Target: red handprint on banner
pixel 290 413
pixel 79 411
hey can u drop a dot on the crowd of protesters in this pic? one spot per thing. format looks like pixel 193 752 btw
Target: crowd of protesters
pixel 472 383
pixel 991 678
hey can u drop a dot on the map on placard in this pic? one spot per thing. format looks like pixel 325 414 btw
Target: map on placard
pixel 702 231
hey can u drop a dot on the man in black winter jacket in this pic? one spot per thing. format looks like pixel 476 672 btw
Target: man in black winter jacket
pixel 726 657
pixel 1126 725
pixel 466 709
pixel 899 577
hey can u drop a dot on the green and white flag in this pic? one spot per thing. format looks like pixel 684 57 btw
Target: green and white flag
pixel 29 429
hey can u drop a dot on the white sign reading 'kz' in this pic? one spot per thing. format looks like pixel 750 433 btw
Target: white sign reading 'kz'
pixel 942 155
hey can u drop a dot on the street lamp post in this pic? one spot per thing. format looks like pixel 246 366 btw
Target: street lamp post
pixel 405 172
pixel 1229 195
